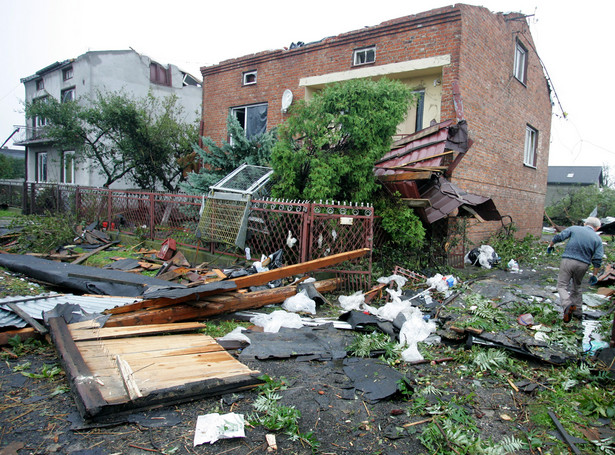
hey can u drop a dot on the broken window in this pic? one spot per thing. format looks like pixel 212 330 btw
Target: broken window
pixel 364 56
pixel 531 143
pixel 520 69
pixel 253 119
pixel 67 73
pixel 40 84
pixel 189 80
pixel 160 75
pixel 68 95
pixel 68 167
pixel 41 167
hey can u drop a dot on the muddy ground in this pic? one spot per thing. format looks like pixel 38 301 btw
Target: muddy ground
pixel 39 415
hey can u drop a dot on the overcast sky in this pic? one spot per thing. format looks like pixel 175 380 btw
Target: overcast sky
pixel 571 40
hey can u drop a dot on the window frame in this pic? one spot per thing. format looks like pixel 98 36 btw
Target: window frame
pixel 363 51
pixel 40 84
pixel 71 154
pixel 530 147
pixel 64 92
pixel 156 73
pixel 520 62
pixel 40 122
pixel 246 75
pixel 41 166
pixel 67 73
pixel 234 110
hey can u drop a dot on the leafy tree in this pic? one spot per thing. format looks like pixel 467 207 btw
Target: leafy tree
pixel 138 138
pixel 218 161
pixel 163 144
pixel 12 168
pixel 328 147
pixel 578 205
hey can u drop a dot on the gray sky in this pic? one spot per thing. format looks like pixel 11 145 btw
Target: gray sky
pixel 571 40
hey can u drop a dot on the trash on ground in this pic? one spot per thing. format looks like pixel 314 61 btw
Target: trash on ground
pixel 485 256
pixel 214 426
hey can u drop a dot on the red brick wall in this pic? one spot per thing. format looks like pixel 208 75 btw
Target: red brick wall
pixel 431 34
pixel 497 108
pixel 496 105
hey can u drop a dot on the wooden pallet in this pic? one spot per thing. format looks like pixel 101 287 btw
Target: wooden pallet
pixel 117 370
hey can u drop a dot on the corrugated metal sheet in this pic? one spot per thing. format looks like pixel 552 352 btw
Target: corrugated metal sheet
pixel 35 306
pixel 445 197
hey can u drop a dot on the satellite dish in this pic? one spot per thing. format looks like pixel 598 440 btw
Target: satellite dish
pixel 287 99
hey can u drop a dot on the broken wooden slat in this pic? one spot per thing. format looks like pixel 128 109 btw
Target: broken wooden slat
pixel 416 202
pixel 26 317
pixel 90 401
pixel 407 175
pixel 81 332
pixel 127 378
pixel 80 259
pixel 212 306
pixel 259 279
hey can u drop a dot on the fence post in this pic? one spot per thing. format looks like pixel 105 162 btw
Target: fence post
pixel 109 206
pixel 152 220
pixel 77 202
pixel 24 198
pixel 32 198
pixel 306 233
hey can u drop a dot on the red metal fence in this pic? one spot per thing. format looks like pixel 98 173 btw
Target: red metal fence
pixel 320 229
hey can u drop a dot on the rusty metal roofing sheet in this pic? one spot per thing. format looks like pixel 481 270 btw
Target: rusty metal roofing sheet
pixel 34 306
pixel 445 197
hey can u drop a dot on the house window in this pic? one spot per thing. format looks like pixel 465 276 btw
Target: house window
pixel 41 167
pixel 160 75
pixel 68 167
pixel 40 121
pixel 520 70
pixel 253 119
pixel 68 95
pixel 249 78
pixel 40 84
pixel 364 56
pixel 531 144
pixel 67 73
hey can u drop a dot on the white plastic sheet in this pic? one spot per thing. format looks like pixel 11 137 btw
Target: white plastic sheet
pixel 274 321
pixel 211 427
pixel 300 303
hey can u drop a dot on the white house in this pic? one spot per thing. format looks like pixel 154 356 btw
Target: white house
pixel 84 76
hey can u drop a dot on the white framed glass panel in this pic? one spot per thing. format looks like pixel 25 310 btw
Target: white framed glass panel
pixel 531 136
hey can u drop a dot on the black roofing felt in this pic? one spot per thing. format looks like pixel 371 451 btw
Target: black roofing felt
pixel 90 280
pixel 581 175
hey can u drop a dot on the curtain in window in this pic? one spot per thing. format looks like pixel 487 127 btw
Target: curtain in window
pixel 256 120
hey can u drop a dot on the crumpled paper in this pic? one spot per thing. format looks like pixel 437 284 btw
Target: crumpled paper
pixel 211 427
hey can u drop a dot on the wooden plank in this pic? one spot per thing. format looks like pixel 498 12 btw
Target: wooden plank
pixel 213 305
pixel 81 333
pixel 404 176
pixel 262 278
pixel 127 378
pixel 81 380
pixel 26 317
pixel 412 202
pixel 23 334
pixel 80 259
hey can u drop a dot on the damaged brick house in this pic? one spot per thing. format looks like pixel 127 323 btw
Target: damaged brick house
pixel 465 62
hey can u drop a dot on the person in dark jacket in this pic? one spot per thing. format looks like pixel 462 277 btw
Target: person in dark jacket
pixel 584 247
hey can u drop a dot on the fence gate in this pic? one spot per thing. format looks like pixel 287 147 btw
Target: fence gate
pixel 335 228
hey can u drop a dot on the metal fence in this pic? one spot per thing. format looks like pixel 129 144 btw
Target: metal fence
pixel 319 229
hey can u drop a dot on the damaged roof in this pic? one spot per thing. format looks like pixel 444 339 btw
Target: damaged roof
pixel 414 167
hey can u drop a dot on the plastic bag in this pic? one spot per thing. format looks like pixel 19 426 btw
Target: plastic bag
pixel 280 318
pixel 415 329
pixel 485 256
pixel 300 302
